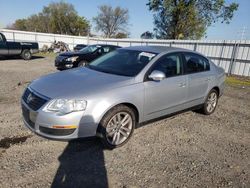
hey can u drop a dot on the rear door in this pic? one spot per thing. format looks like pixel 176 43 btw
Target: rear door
pixel 168 95
pixel 197 69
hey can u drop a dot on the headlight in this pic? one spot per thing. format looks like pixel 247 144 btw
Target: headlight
pixel 65 106
pixel 72 58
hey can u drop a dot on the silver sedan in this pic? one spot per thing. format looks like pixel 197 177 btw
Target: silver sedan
pixel 118 91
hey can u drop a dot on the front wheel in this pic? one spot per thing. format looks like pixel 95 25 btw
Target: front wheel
pixel 26 54
pixel 210 103
pixel 82 63
pixel 117 126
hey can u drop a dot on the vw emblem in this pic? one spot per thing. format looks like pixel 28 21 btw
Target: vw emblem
pixel 30 98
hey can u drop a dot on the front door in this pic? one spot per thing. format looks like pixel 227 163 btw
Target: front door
pixel 168 95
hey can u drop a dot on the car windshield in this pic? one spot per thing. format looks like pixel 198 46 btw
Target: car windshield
pixel 122 62
pixel 89 49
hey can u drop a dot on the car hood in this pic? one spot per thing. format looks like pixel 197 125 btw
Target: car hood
pixel 78 83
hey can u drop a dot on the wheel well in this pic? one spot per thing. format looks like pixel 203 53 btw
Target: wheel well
pixel 134 108
pixel 217 89
pixel 25 49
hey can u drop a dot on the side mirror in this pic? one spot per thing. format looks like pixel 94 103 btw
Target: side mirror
pixel 157 75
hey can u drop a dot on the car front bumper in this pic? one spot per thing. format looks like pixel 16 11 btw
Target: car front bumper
pixel 61 63
pixel 43 123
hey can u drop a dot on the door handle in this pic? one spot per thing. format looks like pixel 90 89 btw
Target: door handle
pixel 207 79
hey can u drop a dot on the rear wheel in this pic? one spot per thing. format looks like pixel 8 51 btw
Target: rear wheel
pixel 210 103
pixel 117 126
pixel 26 54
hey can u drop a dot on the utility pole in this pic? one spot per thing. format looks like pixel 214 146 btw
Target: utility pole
pixel 242 33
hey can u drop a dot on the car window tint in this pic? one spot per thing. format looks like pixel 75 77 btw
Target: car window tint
pixel 89 49
pixel 196 63
pixel 1 38
pixel 106 49
pixel 101 50
pixel 171 65
pixel 123 62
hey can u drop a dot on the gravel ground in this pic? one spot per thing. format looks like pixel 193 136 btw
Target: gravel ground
pixel 186 150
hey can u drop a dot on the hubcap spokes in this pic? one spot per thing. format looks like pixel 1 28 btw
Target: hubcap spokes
pixel 119 128
pixel 211 102
pixel 27 55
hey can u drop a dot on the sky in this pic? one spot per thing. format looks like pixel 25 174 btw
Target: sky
pixel 141 19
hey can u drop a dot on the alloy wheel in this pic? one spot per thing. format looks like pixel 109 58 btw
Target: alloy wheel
pixel 211 102
pixel 119 128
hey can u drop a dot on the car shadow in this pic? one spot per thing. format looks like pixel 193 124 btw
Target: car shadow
pixel 81 165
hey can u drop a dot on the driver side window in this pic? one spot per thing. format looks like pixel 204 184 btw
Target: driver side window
pixel 100 50
pixel 171 65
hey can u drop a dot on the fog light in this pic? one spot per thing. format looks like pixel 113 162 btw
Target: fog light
pixel 64 126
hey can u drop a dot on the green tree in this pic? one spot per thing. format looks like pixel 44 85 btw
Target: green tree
pixel 188 19
pixel 147 35
pixel 111 21
pixel 58 18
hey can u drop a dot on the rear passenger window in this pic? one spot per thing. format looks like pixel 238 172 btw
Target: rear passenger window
pixel 196 63
pixel 171 65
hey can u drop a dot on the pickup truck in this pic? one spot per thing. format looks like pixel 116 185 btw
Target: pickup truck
pixel 24 49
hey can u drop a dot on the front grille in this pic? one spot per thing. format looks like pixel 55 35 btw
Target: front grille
pixel 33 100
pixel 26 116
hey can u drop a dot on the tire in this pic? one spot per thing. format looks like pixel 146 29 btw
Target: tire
pixel 26 54
pixel 211 103
pixel 82 63
pixel 108 126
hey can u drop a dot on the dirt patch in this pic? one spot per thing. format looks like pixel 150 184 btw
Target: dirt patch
pixel 7 142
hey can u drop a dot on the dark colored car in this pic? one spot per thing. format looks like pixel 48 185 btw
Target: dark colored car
pixel 78 47
pixel 24 49
pixel 83 57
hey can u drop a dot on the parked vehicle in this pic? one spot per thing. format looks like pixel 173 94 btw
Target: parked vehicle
pixel 78 47
pixel 83 57
pixel 24 49
pixel 113 94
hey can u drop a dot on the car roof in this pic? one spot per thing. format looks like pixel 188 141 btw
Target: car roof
pixel 156 49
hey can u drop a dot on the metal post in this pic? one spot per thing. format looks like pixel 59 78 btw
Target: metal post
pixel 234 55
pixel 195 46
pixel 221 52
